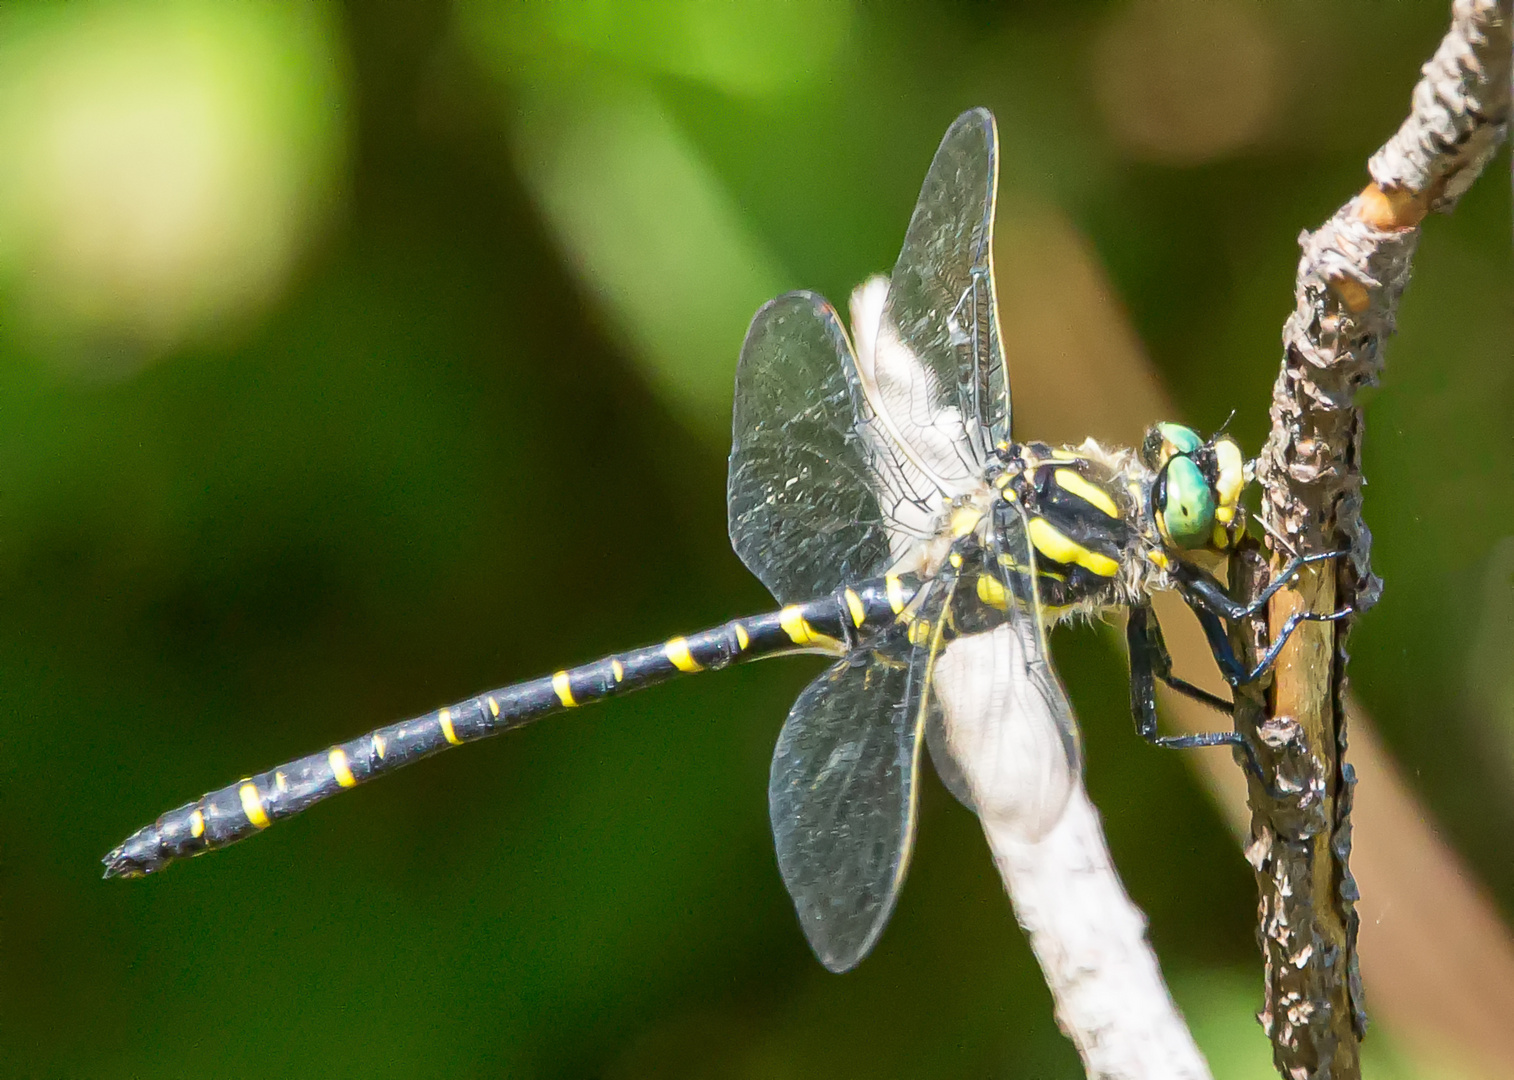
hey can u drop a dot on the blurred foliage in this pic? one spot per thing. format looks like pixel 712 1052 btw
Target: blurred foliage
pixel 390 363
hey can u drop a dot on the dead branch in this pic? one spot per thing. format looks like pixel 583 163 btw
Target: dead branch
pixel 1350 278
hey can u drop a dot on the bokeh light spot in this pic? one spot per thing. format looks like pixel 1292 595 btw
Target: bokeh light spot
pixel 1185 81
pixel 651 229
pixel 164 162
pixel 752 49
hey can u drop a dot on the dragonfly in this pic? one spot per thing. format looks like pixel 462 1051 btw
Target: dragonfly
pixel 875 489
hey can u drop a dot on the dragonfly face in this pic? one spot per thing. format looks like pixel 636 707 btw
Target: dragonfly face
pixel 876 490
pixel 1195 497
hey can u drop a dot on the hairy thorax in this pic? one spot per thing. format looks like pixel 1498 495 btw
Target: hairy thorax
pixel 1087 513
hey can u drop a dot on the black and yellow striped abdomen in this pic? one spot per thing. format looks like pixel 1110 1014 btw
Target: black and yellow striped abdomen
pixel 834 624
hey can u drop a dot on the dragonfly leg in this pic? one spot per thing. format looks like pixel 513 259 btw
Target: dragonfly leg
pixel 1236 673
pixel 1149 661
pixel 1199 587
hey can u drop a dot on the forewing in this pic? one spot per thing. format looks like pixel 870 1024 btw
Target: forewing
pixel 941 316
pixel 842 792
pixel 1007 723
pixel 802 495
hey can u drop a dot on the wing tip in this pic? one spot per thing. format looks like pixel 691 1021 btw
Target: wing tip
pixel 838 961
pixel 979 116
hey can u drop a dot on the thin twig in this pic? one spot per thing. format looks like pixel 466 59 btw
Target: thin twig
pixel 1350 278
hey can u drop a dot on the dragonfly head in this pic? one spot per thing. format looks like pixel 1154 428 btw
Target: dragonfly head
pixel 1195 497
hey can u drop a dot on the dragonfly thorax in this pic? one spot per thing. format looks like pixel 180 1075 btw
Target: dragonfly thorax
pixel 1107 524
pixel 1085 515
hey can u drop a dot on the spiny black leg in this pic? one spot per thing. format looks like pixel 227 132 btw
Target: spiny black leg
pixel 1230 665
pixel 1203 697
pixel 1201 588
pixel 1218 738
pixel 1150 661
pixel 1146 654
pixel 1285 575
pixel 1270 656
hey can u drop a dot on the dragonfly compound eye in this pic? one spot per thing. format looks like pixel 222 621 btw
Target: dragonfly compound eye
pixel 1186 511
pixel 1164 441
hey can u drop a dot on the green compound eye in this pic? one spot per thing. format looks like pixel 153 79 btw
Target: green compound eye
pixel 1183 440
pixel 1166 441
pixel 1187 504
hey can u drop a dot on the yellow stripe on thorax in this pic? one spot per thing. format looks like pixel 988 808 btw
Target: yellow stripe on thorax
pixel 1059 547
pixel 1073 482
pixel 677 652
pixel 895 589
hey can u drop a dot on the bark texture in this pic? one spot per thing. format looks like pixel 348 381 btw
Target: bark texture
pixel 1351 275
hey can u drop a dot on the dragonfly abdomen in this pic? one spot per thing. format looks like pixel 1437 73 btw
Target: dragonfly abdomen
pixel 830 624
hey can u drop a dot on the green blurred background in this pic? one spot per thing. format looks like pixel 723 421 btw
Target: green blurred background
pixel 354 359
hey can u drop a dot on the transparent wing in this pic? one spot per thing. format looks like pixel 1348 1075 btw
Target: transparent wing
pixel 938 742
pixel 1007 725
pixel 939 367
pixel 842 792
pixel 810 506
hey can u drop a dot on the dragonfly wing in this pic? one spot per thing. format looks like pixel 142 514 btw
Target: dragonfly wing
pixel 810 507
pixel 842 794
pixel 938 742
pixel 937 366
pixel 1008 725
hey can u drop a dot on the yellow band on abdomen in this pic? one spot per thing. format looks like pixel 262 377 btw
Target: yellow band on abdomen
pixel 677 652
pixel 854 605
pixel 337 759
pixel 252 804
pixel 796 626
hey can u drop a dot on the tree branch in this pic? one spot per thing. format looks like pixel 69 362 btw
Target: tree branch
pixel 1090 939
pixel 1350 278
